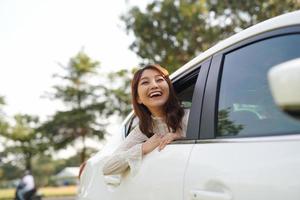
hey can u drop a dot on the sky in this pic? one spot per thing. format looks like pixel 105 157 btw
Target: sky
pixel 36 35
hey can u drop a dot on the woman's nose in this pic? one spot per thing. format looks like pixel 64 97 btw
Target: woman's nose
pixel 154 84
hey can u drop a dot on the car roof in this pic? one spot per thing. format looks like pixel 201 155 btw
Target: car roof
pixel 289 19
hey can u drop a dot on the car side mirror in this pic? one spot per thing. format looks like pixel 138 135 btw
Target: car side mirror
pixel 284 81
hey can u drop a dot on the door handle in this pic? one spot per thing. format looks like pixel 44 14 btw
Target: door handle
pixel 112 180
pixel 209 195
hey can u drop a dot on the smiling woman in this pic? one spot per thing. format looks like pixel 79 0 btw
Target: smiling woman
pixel 161 120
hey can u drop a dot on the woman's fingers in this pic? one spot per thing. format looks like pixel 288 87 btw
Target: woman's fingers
pixel 166 139
pixel 161 146
pixel 163 143
pixel 160 141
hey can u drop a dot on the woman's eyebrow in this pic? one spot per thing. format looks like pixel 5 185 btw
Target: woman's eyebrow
pixel 144 78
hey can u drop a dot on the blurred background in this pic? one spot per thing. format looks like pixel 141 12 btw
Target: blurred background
pixel 66 66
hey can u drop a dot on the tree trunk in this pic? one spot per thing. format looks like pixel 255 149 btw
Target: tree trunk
pixel 28 161
pixel 83 151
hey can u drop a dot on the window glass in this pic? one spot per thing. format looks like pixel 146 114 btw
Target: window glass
pixel 185 96
pixel 246 107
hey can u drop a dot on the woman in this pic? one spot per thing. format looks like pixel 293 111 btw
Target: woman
pixel 161 120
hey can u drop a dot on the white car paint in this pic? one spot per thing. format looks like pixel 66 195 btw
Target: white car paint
pixel 162 171
pixel 257 168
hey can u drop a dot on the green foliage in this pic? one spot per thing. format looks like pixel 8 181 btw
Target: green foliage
pixel 118 94
pixel 10 171
pixel 23 141
pixel 3 123
pixel 45 167
pixel 2 101
pixel 66 126
pixel 171 32
pixel 84 100
pixel 76 89
pixel 226 127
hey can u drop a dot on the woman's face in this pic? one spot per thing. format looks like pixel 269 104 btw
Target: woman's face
pixel 153 90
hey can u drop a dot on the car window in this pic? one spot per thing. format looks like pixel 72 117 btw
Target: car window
pixel 246 107
pixel 184 89
pixel 185 96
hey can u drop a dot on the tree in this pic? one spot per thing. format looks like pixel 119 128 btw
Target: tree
pixel 2 101
pixel 10 172
pixel 118 94
pixel 171 32
pixel 3 123
pixel 85 103
pixel 23 141
pixel 3 126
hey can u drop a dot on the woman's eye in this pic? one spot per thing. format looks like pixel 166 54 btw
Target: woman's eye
pixel 160 80
pixel 144 82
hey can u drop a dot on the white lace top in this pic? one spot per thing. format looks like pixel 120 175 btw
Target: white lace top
pixel 129 153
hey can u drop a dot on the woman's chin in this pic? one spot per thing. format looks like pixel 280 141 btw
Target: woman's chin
pixel 156 105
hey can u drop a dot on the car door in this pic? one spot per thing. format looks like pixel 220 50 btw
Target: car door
pixel 247 148
pixel 161 174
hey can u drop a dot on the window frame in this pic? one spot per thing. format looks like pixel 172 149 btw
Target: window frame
pixel 208 125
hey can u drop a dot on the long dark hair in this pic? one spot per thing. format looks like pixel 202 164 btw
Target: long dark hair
pixel 174 112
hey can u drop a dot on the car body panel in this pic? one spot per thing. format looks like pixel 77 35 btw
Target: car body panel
pixel 160 172
pixel 256 168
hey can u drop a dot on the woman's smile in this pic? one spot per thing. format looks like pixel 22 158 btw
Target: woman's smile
pixel 155 94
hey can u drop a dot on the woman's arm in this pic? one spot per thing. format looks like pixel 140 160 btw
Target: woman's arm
pixel 128 154
pixel 151 144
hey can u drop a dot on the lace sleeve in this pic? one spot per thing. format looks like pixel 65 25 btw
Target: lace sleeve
pixel 128 154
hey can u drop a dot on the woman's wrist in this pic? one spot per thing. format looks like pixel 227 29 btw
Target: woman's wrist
pixel 143 149
pixel 177 136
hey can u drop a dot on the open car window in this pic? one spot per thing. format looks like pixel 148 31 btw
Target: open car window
pixel 184 88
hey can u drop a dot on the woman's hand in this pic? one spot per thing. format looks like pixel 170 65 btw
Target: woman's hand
pixel 159 141
pixel 167 139
pixel 151 144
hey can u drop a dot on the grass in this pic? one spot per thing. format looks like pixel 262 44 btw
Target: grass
pixel 7 193
pixel 45 191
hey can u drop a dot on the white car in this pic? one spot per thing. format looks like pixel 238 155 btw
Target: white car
pixel 239 144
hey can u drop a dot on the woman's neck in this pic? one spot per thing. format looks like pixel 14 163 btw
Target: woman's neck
pixel 158 113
